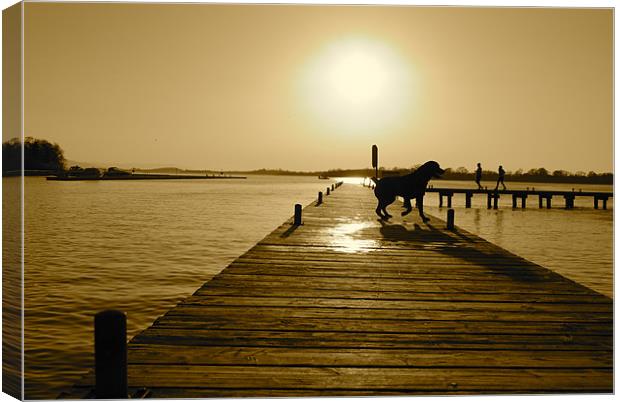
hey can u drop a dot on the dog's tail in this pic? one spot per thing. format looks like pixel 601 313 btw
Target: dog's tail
pixel 374 180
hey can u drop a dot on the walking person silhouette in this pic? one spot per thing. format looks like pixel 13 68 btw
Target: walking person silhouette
pixel 479 176
pixel 500 179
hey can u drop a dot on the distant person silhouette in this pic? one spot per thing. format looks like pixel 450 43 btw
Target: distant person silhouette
pixel 500 179
pixel 479 176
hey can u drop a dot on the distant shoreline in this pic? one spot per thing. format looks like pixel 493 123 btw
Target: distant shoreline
pixel 153 174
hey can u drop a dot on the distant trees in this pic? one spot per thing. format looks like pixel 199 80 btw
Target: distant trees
pixel 38 155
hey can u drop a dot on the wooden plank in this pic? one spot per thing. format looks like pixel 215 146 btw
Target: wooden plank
pixel 387 326
pixel 435 379
pixel 343 303
pixel 356 357
pixel 198 336
pixel 243 312
pixel 456 296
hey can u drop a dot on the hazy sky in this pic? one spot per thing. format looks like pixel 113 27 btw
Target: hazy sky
pixel 313 87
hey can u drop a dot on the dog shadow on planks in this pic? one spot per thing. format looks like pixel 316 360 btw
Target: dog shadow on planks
pixel 465 247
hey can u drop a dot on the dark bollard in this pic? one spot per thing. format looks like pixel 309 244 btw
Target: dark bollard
pixel 332 187
pixel 514 200
pixel 320 199
pixel 495 200
pixel 440 200
pixel 450 219
pixel 110 355
pixel 595 202
pixel 488 200
pixel 450 200
pixel 468 200
pixel 523 202
pixel 549 202
pixel 604 203
pixel 327 191
pixel 540 198
pixel 297 220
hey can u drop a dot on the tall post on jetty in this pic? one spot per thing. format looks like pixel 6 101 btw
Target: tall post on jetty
pixel 111 355
pixel 375 160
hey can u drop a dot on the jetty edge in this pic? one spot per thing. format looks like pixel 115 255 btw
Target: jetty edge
pixel 347 305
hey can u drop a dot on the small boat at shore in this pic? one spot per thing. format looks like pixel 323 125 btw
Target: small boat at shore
pixel 321 177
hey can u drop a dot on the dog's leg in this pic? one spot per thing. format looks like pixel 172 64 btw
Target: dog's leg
pixel 378 211
pixel 384 203
pixel 407 205
pixel 420 202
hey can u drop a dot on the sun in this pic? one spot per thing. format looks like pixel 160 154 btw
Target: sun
pixel 357 85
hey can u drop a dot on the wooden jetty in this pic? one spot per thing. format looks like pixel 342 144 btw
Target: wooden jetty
pixel 522 195
pixel 345 304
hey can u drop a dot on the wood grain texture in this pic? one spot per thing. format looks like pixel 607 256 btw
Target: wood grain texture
pixel 347 305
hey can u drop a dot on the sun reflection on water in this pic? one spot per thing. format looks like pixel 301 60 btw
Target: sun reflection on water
pixel 346 237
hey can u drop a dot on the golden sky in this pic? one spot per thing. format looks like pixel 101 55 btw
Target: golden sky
pixel 313 87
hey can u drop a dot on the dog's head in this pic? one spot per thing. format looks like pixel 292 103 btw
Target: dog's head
pixel 430 169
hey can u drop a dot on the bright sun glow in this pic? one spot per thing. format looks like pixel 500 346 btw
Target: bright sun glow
pixel 357 85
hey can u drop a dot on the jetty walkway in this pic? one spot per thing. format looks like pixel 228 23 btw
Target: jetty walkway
pixel 522 195
pixel 345 304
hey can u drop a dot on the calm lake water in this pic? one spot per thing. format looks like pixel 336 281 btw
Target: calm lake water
pixel 143 246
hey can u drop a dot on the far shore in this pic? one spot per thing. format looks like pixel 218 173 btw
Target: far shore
pixel 604 178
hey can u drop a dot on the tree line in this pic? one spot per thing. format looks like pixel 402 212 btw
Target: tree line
pixel 461 173
pixel 39 155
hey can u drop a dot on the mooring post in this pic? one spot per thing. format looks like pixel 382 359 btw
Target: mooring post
pixel 514 200
pixel 319 199
pixel 548 201
pixel 495 200
pixel 488 200
pixel 332 187
pixel 449 195
pixel 468 200
pixel 327 191
pixel 605 203
pixel 440 200
pixel 595 202
pixel 450 219
pixel 523 198
pixel 297 220
pixel 110 355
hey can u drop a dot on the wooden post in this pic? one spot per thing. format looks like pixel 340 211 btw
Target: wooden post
pixel 605 203
pixel 488 200
pixel 320 199
pixel 449 195
pixel 440 200
pixel 549 201
pixel 523 198
pixel 468 200
pixel 450 219
pixel 327 191
pixel 514 200
pixel 375 160
pixel 595 202
pixel 540 198
pixel 297 220
pixel 110 355
pixel 495 200
pixel 332 187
